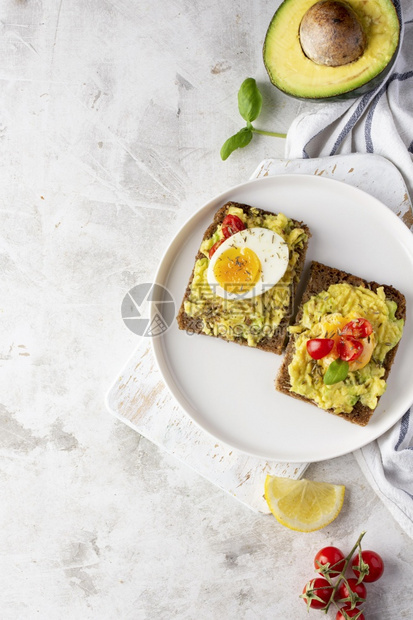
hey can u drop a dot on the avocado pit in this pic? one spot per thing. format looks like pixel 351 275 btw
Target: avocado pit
pixel 331 34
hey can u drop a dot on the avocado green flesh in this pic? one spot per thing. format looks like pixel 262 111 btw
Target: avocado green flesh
pixel 252 319
pixel 365 385
pixel 292 72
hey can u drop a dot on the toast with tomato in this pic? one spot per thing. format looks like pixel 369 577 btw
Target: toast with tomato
pixel 243 282
pixel 343 343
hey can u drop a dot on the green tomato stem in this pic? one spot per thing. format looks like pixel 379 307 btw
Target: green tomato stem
pixel 343 572
pixel 268 133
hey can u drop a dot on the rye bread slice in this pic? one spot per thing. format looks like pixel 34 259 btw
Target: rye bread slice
pixel 320 278
pixel 276 343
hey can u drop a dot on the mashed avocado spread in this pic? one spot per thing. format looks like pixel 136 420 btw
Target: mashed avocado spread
pixel 366 384
pixel 249 319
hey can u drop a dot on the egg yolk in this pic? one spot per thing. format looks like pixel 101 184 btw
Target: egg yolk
pixel 333 330
pixel 237 270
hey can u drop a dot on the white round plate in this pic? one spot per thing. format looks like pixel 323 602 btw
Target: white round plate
pixel 229 389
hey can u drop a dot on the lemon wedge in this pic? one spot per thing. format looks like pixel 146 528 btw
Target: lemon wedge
pixel 303 505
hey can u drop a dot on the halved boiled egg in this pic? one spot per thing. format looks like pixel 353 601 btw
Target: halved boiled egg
pixel 248 264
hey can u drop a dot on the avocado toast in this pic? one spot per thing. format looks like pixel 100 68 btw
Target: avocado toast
pixel 332 301
pixel 262 319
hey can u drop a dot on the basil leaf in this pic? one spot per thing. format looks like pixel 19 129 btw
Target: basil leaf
pixel 249 100
pixel 337 371
pixel 237 141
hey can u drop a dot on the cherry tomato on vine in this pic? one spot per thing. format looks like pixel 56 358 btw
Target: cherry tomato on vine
pixel 319 347
pixel 351 613
pixel 215 247
pixel 348 348
pixel 317 587
pixel 346 589
pixel 358 328
pixel 232 224
pixel 375 565
pixel 331 556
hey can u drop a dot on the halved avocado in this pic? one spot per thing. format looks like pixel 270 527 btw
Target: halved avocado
pixel 331 49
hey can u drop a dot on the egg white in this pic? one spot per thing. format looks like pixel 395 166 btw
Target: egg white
pixel 272 252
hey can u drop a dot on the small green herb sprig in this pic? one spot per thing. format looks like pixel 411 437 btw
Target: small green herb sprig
pixel 336 372
pixel 249 106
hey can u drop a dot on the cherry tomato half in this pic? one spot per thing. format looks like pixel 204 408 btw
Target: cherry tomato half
pixel 374 562
pixel 359 328
pixel 351 613
pixel 348 348
pixel 215 247
pixel 232 224
pixel 319 347
pixel 317 587
pixel 332 557
pixel 345 590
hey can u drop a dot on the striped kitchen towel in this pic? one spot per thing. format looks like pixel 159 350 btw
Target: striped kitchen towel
pixel 387 464
pixel 379 122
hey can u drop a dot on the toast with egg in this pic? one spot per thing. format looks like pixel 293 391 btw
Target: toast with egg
pixel 321 277
pixel 203 312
